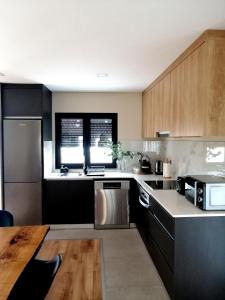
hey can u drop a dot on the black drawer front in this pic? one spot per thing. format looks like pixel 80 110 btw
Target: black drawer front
pixel 162 239
pixel 163 217
pixel 166 274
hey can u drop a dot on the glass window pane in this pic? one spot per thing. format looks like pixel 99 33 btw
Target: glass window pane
pixel 101 132
pixel 72 141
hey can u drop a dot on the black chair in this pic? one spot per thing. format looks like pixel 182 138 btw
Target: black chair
pixel 36 279
pixel 6 218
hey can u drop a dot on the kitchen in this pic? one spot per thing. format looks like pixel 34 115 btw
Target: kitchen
pixel 173 113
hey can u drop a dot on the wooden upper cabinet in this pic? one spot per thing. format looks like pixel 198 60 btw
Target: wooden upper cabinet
pixel 188 98
pixel 188 94
pixel 157 110
pixel 177 98
pixel 148 117
pixel 165 107
pixel 215 108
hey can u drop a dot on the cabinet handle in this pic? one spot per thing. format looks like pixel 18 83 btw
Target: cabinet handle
pixel 143 204
pixel 164 133
pixel 162 226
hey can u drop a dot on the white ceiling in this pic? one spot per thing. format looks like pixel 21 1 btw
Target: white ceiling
pixel 64 44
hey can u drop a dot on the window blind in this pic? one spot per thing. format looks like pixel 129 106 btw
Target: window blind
pixel 101 131
pixel 71 132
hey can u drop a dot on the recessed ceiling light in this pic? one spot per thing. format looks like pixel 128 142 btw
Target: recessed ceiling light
pixel 2 74
pixel 102 75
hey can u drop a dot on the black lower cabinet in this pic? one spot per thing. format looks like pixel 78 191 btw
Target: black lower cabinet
pixel 133 200
pixel 68 202
pixel 188 252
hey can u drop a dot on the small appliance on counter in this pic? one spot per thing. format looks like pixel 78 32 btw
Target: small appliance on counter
pixel 64 170
pixel 180 185
pixel 95 171
pixel 206 191
pixel 159 167
pixel 145 165
pixel 167 169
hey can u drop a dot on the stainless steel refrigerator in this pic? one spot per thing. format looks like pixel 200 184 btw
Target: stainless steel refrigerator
pixel 22 165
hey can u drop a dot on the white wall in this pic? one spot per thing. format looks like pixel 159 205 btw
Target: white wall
pixel 127 105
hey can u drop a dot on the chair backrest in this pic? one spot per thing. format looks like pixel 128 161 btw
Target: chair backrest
pixel 6 218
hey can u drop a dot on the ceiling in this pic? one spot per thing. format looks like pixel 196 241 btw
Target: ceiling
pixel 64 44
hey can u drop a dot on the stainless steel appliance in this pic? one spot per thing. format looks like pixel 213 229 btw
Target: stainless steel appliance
pixel 112 204
pixel 159 167
pixel 180 185
pixel 206 191
pixel 146 164
pixel 22 157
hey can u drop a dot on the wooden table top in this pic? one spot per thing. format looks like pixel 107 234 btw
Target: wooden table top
pixel 17 246
pixel 79 275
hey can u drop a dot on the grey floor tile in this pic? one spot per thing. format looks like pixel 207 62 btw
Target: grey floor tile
pixel 126 272
pixel 137 293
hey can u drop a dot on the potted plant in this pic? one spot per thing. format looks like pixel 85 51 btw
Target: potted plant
pixel 117 152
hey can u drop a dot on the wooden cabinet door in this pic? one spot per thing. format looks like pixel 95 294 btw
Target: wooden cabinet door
pixel 177 98
pixel 164 106
pixel 148 115
pixel 215 106
pixel 157 109
pixel 195 93
pixel 189 94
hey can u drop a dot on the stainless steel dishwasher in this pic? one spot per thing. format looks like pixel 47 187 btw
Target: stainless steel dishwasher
pixel 112 204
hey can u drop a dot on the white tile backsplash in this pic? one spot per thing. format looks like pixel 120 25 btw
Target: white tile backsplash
pixel 188 157
pixel 191 157
pixel 47 157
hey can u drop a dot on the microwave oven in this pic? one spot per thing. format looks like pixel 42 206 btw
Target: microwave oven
pixel 205 191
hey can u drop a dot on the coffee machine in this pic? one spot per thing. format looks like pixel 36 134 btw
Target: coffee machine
pixel 145 164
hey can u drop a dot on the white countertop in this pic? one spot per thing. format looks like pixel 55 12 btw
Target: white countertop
pixel 108 175
pixel 174 203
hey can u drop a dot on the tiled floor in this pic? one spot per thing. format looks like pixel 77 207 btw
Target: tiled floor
pixel 129 272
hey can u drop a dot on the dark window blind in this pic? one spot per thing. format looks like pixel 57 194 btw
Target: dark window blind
pixel 101 131
pixel 71 132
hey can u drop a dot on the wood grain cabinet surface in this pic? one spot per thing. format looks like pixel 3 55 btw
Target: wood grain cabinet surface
pixel 188 98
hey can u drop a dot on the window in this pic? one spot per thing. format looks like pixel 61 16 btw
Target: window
pixel 81 137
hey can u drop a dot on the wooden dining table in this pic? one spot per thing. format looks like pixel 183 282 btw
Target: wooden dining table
pixel 80 274
pixel 18 245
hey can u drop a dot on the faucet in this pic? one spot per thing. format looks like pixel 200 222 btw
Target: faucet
pixel 84 168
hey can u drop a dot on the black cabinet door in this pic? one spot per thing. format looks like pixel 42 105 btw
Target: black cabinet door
pixel 162 239
pixel 47 114
pixel 133 200
pixel 20 100
pixel 68 202
pixel 143 222
pixel 158 242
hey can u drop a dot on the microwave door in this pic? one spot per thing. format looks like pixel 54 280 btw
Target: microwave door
pixel 214 197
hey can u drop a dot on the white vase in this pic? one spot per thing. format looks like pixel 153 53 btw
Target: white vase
pixel 121 165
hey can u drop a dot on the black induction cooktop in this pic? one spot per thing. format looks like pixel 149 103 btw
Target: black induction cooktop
pixel 162 184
